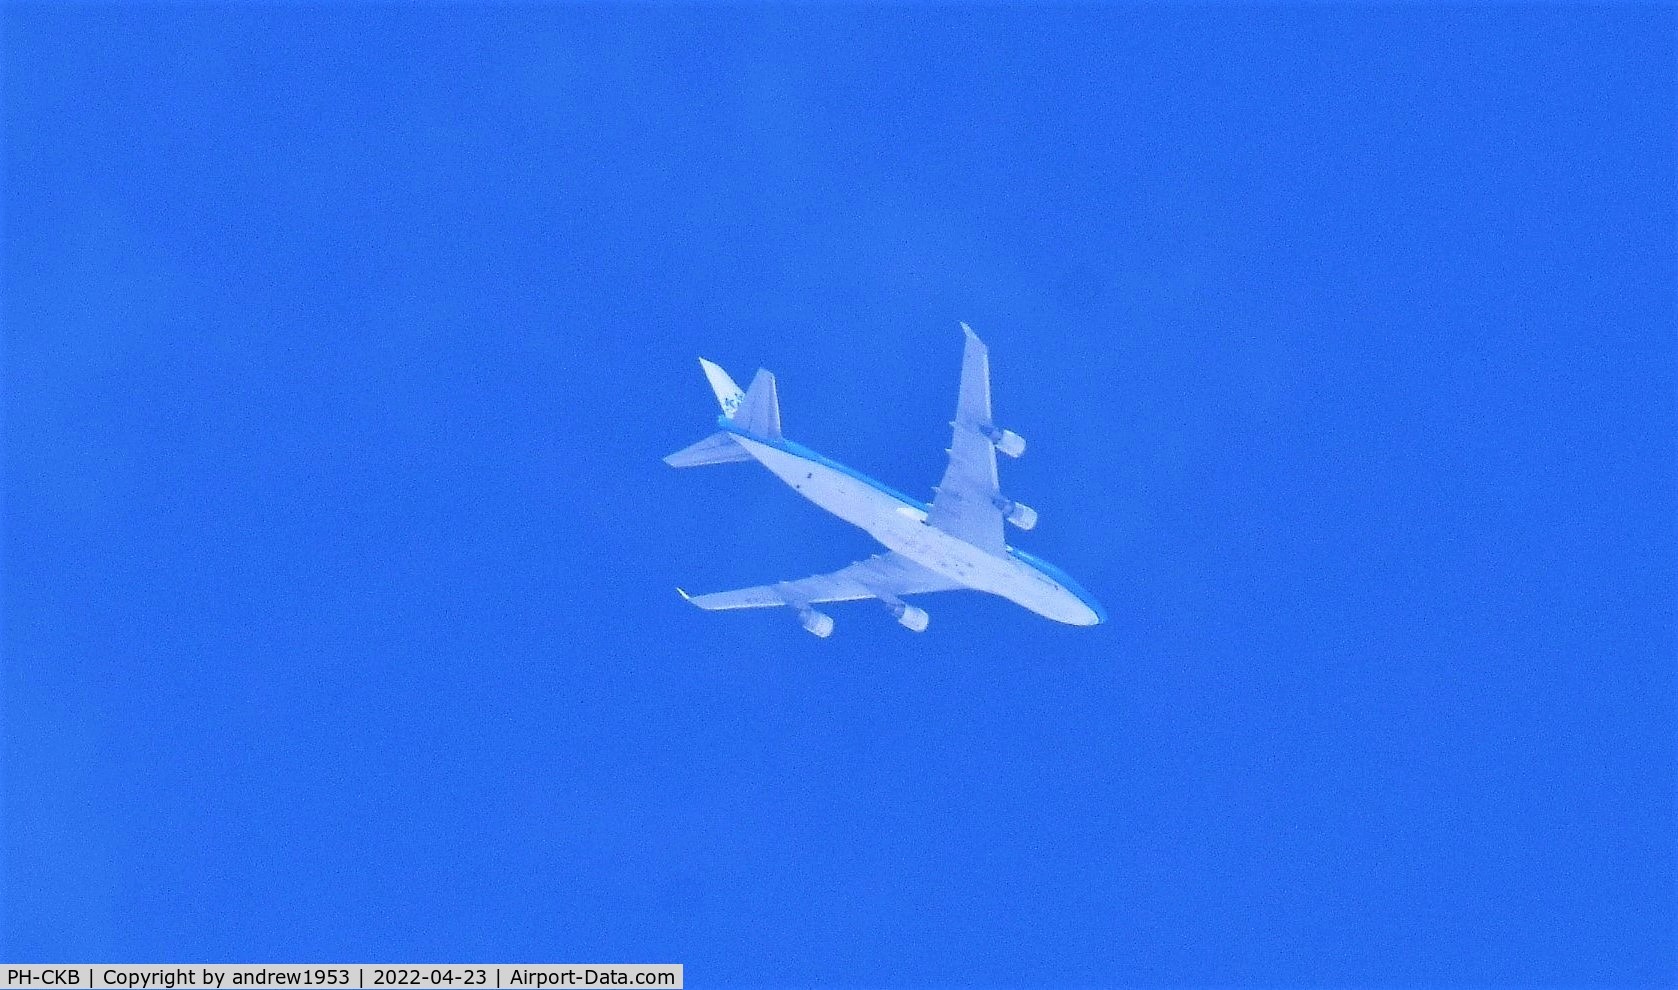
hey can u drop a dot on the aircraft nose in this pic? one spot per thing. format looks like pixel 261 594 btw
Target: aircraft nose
pixel 1087 613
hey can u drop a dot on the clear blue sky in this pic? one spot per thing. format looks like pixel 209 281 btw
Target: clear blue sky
pixel 342 344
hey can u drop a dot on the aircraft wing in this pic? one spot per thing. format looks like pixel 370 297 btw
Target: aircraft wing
pixel 886 576
pixel 966 503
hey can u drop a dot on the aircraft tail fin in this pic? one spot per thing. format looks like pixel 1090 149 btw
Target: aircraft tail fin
pixel 728 393
pixel 757 410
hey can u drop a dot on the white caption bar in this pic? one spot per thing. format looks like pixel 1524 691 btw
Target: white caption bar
pixel 339 976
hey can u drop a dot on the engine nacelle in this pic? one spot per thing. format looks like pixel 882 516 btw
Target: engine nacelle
pixel 1018 513
pixel 909 617
pixel 816 623
pixel 1006 441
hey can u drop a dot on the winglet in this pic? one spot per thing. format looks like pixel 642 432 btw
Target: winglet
pixel 973 402
pixel 685 596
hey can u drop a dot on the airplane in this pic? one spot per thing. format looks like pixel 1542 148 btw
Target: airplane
pixel 955 543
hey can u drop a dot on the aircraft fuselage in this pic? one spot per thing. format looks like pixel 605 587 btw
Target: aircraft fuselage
pixel 899 523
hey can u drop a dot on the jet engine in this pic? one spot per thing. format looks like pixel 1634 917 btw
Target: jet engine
pixel 1007 441
pixel 816 623
pixel 909 617
pixel 1018 513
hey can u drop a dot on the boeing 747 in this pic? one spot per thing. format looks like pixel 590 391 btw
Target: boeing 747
pixel 955 543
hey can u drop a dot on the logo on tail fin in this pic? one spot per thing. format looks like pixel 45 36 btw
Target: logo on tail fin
pixel 729 395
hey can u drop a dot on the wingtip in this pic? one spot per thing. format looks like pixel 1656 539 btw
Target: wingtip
pixel 685 596
pixel 967 329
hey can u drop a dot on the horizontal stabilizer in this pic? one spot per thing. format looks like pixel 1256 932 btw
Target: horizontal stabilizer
pixel 718 448
pixel 760 409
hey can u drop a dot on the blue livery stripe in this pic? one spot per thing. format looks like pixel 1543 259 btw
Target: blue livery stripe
pixel 1049 570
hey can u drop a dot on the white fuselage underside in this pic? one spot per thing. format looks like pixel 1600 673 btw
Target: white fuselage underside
pixel 902 527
